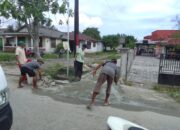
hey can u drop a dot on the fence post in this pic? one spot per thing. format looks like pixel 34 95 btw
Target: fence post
pixel 124 62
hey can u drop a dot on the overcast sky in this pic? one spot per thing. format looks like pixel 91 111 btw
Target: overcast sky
pixel 132 17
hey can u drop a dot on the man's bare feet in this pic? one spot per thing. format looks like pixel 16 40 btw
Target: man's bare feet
pixel 89 107
pixel 20 86
pixel 106 104
pixel 35 87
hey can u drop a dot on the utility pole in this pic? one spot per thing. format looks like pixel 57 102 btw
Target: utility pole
pixel 68 39
pixel 76 25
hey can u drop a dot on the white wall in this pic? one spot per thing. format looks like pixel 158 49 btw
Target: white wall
pixel 47 45
pixel 97 48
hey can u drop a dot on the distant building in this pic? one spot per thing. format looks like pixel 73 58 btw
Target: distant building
pixel 165 41
pixel 48 39
pixel 92 44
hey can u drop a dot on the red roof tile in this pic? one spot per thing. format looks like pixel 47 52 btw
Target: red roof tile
pixel 82 37
pixel 148 37
pixel 173 41
pixel 167 37
pixel 160 35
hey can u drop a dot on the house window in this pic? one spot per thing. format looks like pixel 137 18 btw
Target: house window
pixel 10 42
pixel 88 45
pixel 40 42
pixel 53 43
pixel 94 44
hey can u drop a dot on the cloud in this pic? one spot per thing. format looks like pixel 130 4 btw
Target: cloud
pixel 89 21
pixel 122 16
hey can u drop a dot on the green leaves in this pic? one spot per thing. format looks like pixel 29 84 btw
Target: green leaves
pixel 130 41
pixel 5 8
pixel 32 9
pixel 111 41
pixel 92 32
pixel 55 7
pixel 62 8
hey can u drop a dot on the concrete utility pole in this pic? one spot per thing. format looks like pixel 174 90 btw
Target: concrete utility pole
pixel 68 39
pixel 76 25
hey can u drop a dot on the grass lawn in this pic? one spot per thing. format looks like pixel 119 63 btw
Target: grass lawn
pixel 4 56
pixel 101 56
pixel 173 91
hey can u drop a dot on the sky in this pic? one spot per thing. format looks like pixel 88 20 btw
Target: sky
pixel 131 17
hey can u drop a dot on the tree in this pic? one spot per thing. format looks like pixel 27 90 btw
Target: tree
pixel 130 42
pixel 31 13
pixel 111 41
pixel 92 32
pixel 177 20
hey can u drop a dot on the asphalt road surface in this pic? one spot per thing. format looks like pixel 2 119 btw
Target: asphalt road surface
pixel 38 112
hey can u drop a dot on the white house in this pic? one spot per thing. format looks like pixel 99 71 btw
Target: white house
pixel 92 44
pixel 48 39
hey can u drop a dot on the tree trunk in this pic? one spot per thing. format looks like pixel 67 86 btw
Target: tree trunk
pixel 36 39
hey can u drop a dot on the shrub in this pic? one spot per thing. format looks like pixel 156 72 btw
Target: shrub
pixel 7 56
pixel 1 45
pixel 59 47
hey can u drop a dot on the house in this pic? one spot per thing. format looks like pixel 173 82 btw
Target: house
pixel 92 44
pixel 2 30
pixel 165 41
pixel 48 39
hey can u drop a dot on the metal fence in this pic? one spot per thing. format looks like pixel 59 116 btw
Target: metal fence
pixel 169 65
pixel 169 70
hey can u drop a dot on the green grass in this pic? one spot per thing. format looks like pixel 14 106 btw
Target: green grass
pixel 50 56
pixel 173 92
pixel 106 55
pixel 128 83
pixel 7 56
pixel 53 70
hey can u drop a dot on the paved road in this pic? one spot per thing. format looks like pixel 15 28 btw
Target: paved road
pixel 144 70
pixel 54 112
pixel 35 112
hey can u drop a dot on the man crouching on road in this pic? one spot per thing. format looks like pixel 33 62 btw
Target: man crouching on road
pixel 30 68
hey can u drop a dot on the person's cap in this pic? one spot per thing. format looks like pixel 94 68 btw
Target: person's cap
pixel 40 60
pixel 20 43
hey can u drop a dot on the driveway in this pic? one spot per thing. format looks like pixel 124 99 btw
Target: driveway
pixel 144 70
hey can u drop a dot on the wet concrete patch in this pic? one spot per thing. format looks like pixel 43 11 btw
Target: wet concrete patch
pixel 123 97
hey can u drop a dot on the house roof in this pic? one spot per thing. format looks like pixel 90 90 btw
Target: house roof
pixel 173 41
pixel 147 37
pixel 160 35
pixel 43 31
pixel 164 36
pixel 2 30
pixel 82 37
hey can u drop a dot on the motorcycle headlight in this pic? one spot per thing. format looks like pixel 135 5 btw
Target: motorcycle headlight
pixel 4 97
